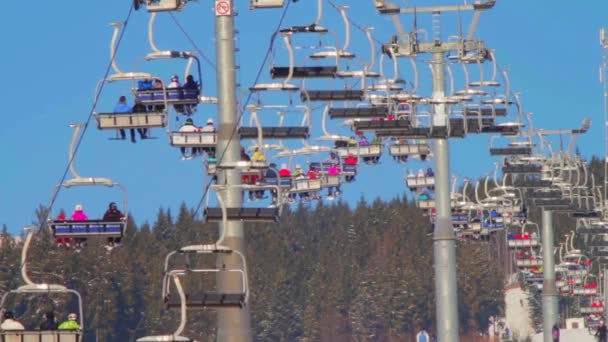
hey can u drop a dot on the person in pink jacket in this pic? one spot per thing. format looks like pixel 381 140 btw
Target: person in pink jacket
pixel 333 170
pixel 79 215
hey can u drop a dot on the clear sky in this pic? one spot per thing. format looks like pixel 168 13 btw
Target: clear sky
pixel 55 52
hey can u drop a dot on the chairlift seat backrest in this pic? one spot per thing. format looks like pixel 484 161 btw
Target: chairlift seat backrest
pixel 374 150
pixel 332 95
pixel 175 96
pixel 89 228
pixel 207 299
pixel 417 182
pixel 243 214
pixel 193 139
pixel 398 150
pixel 131 120
pixel 359 112
pixel 40 336
pixel 305 185
pixel 297 132
pixel 329 181
pixel 425 204
pixel 510 151
pixel 283 182
pixel 379 125
pixel 305 72
pixel 522 168
pixel 484 111
pixel 586 214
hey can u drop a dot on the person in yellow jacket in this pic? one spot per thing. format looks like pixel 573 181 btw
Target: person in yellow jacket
pixel 71 323
pixel 258 156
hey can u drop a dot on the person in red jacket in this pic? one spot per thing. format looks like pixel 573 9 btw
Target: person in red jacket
pixel 350 160
pixel 284 171
pixel 62 241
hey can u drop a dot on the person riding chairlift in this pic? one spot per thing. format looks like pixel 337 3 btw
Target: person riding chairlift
pixel 112 215
pixel 350 160
pixel 79 215
pixel 63 241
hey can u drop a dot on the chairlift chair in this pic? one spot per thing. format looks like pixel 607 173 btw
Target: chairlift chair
pixel 402 149
pixel 246 214
pixel 588 287
pixel 42 335
pixel 216 298
pixel 512 148
pixel 90 228
pixel 142 120
pixel 276 132
pixel 183 100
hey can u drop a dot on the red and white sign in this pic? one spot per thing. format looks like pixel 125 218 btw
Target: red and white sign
pixel 223 8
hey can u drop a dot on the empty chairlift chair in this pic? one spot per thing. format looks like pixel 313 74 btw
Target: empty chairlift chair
pixel 206 298
pixel 246 214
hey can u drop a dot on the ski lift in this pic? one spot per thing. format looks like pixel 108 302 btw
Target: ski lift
pixel 235 298
pixel 63 228
pixel 589 286
pixel 291 71
pixel 425 202
pixel 38 335
pixel 419 181
pixel 141 118
pixel 529 236
pixel 183 99
pixel 370 154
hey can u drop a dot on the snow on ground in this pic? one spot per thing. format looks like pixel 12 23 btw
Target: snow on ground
pixel 517 312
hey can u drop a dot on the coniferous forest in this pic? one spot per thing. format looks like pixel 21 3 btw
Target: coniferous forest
pixel 324 273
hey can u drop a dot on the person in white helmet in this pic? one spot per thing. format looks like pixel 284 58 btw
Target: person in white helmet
pixel 208 126
pixel 174 82
pixel 188 127
pixel 10 323
pixel 79 215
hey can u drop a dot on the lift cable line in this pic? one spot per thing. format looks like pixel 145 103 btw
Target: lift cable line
pixel 192 41
pixel 91 112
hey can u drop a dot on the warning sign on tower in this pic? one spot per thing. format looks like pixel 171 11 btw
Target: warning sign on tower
pixel 223 7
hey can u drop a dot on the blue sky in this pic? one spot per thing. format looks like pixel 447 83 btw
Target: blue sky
pixel 55 53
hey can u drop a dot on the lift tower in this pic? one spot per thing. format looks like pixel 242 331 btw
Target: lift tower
pixel 233 323
pixel 441 128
